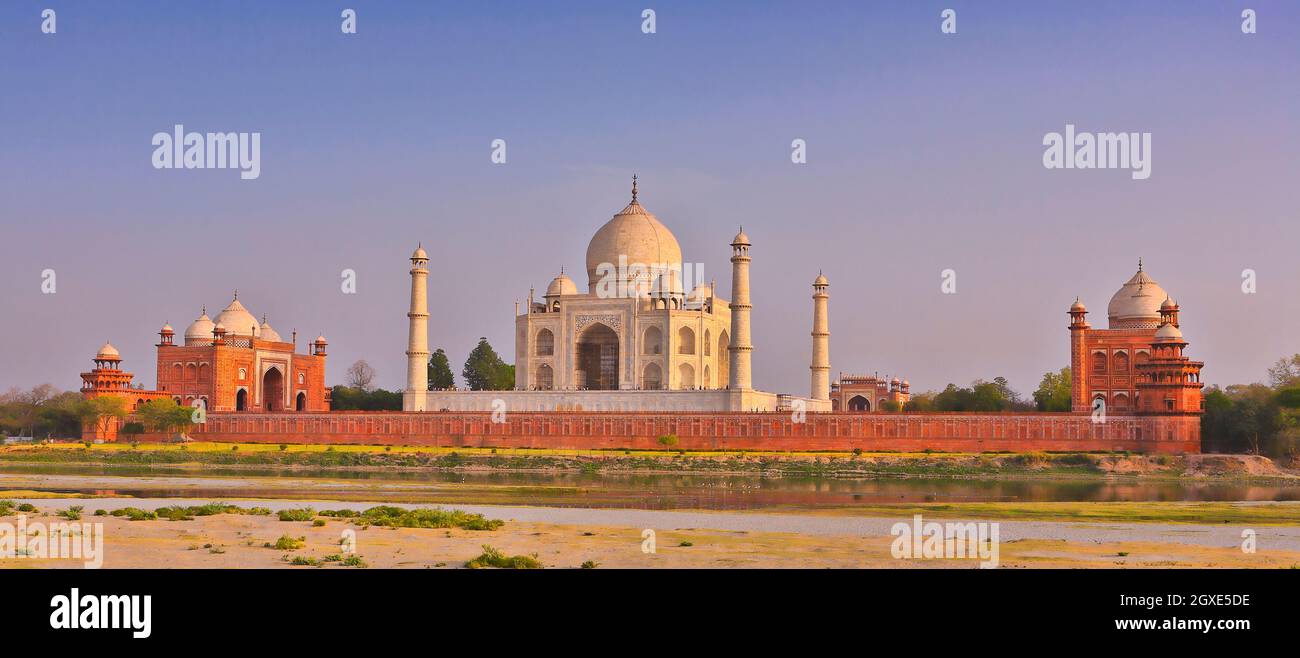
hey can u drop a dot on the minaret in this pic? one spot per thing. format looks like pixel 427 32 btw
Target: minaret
pixel 417 343
pixel 740 348
pixel 821 341
pixel 1080 400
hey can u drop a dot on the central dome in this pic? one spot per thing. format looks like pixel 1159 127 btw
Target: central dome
pixel 1136 305
pixel 237 320
pixel 633 237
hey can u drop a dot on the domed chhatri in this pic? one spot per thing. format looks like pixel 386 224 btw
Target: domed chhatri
pixel 265 332
pixel 634 236
pixel 108 353
pixel 1168 332
pixel 420 253
pixel 238 320
pixel 561 285
pixel 1136 305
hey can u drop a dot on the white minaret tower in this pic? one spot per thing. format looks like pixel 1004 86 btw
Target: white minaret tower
pixel 740 348
pixel 417 343
pixel 821 341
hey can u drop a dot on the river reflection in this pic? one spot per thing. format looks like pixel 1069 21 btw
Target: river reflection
pixel 640 490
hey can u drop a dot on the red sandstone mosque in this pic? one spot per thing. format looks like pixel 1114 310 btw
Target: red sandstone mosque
pixel 231 364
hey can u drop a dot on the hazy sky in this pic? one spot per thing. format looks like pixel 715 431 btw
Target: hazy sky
pixel 924 154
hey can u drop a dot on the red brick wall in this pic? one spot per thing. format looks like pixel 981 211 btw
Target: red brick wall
pixel 952 432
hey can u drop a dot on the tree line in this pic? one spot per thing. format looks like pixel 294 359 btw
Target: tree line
pixel 484 370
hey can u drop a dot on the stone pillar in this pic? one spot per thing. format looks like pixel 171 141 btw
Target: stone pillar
pixel 740 349
pixel 821 342
pixel 417 343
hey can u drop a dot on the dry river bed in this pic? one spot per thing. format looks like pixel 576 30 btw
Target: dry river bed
pixel 568 537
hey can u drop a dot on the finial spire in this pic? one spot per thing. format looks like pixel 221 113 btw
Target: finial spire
pixel 236 293
pixel 634 188
pixel 1139 263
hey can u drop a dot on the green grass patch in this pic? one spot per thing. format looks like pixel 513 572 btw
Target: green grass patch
pixel 492 557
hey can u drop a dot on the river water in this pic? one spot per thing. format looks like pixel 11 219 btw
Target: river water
pixel 615 490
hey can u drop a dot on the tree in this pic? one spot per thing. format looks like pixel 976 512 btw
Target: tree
pixel 61 415
pixel 101 411
pixel 346 398
pixel 1285 373
pixel 440 376
pixel 361 375
pixel 162 415
pixel 485 371
pixel 23 408
pixel 1054 391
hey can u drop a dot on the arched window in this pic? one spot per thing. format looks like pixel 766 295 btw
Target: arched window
pixel 708 346
pixel 243 374
pixel 685 341
pixel 652 377
pixel 300 403
pixel 205 372
pixel 1099 362
pixel 545 377
pixel 191 373
pixel 708 382
pixel 653 342
pixel 241 400
pixel 545 343
pixel 1119 403
pixel 1120 363
pixel 302 378
pixel 685 376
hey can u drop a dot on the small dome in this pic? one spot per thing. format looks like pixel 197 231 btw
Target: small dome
pixel 740 239
pixel 821 280
pixel 1169 304
pixel 320 340
pixel 166 329
pixel 1077 306
pixel 895 381
pixel 420 253
pixel 1168 333
pixel 265 332
pixel 200 329
pixel 238 320
pixel 219 327
pixel 561 285
pixel 702 292
pixel 108 352
pixel 1136 304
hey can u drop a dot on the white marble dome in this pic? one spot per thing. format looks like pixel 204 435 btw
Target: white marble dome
pixel 1136 304
pixel 200 329
pixel 635 235
pixel 1168 332
pixel 265 332
pixel 238 321
pixel 561 285
pixel 108 352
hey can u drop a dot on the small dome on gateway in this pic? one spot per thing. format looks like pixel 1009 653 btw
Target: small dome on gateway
pixel 265 332
pixel 108 352
pixel 1168 333
pixel 561 285
pixel 201 328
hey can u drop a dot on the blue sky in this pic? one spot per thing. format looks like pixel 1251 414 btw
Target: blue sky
pixel 924 154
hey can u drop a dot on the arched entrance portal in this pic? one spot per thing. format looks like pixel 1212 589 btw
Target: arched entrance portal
pixel 301 403
pixel 273 390
pixel 241 400
pixel 859 403
pixel 596 359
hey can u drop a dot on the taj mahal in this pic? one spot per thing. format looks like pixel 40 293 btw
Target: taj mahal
pixel 635 340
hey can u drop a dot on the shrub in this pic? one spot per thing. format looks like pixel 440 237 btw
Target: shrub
pixel 590 564
pixel 388 515
pixel 304 561
pixel 6 507
pixel 340 513
pixel 299 514
pixel 686 543
pixel 287 543
pixel 72 513
pixel 354 561
pixel 318 523
pixel 135 514
pixel 492 557
pixel 27 507
pixel 283 447
pixel 100 512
